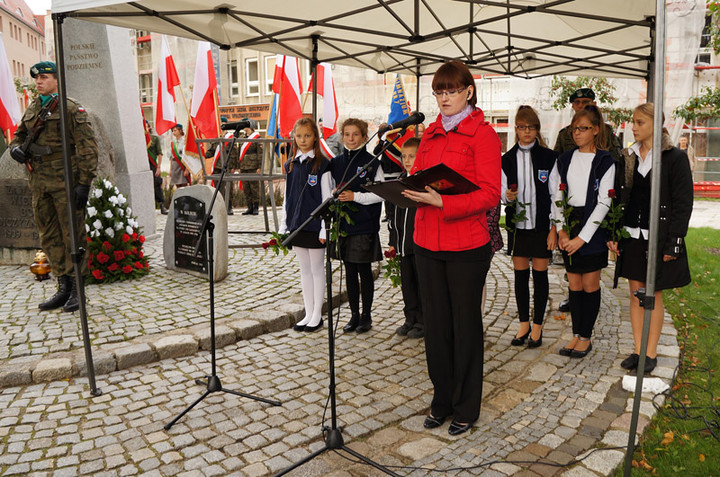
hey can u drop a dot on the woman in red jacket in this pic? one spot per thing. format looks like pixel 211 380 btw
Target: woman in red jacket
pixel 452 247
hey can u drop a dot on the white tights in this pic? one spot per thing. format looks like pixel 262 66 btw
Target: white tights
pixel 312 280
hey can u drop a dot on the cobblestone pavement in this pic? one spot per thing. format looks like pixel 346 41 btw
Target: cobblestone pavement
pixel 540 410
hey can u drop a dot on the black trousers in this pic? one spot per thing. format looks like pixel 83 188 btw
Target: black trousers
pixel 451 286
pixel 157 183
pixel 409 287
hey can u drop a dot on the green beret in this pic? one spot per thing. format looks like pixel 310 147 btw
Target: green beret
pixel 43 67
pixel 583 93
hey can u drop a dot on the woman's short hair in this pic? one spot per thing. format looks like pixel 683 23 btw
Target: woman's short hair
pixel 455 75
pixel 530 117
pixel 358 123
pixel 592 113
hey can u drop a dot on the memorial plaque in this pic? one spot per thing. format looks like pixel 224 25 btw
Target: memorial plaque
pixel 17 224
pixel 189 216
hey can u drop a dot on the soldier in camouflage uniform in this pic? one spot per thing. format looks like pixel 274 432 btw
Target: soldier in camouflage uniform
pixel 233 165
pixel 154 152
pixel 250 164
pixel 47 179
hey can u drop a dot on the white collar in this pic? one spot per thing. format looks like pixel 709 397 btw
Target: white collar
pixel 303 157
pixel 644 165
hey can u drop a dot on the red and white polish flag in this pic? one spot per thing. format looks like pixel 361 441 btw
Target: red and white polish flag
pixel 9 107
pixel 168 79
pixel 204 100
pixel 290 109
pixel 326 89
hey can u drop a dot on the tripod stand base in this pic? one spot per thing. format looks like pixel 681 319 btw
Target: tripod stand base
pixel 214 385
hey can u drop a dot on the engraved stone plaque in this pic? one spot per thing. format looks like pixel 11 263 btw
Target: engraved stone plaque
pixel 17 225
pixel 189 214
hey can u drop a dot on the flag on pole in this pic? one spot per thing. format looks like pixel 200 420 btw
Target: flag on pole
pixel 290 109
pixel 9 107
pixel 191 157
pixel 167 81
pixel 204 108
pixel 277 75
pixel 26 97
pixel 326 89
pixel 399 110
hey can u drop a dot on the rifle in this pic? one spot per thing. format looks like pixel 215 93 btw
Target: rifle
pixel 20 153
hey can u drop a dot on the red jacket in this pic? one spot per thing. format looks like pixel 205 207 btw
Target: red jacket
pixel 472 148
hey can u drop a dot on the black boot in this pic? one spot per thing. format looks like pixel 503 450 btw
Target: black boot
pixel 249 210
pixel 365 323
pixel 72 304
pixel 352 324
pixel 256 208
pixel 163 209
pixel 61 295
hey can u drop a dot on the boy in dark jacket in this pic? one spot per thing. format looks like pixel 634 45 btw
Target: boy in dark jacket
pixel 402 226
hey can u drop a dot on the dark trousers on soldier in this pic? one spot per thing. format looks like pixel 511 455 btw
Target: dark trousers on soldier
pixel 157 183
pixel 451 286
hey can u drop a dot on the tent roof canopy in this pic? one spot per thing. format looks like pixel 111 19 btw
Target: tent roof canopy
pixel 522 38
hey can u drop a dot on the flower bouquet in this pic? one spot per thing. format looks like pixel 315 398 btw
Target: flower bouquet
pixel 567 223
pixel 275 244
pixel 114 242
pixel 392 267
pixel 517 218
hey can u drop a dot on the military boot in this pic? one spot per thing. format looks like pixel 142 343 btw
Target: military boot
pixel 61 295
pixel 72 303
pixel 250 208
pixel 256 208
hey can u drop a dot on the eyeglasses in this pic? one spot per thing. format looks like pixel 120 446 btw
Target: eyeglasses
pixel 525 128
pixel 580 129
pixel 449 92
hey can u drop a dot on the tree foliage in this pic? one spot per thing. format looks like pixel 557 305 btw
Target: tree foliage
pixel 704 106
pixel 714 10
pixel 563 88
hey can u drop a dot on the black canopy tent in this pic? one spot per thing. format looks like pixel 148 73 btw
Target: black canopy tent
pixel 531 38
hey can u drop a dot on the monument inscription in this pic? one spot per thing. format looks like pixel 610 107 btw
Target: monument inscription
pixel 17 225
pixel 189 217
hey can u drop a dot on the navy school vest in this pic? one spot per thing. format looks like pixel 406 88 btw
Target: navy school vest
pixel 303 193
pixel 343 168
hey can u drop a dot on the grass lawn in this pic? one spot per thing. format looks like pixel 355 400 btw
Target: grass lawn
pixel 684 437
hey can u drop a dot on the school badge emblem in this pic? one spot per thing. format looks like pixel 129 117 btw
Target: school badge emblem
pixel 597 184
pixel 364 172
pixel 543 176
pixel 312 180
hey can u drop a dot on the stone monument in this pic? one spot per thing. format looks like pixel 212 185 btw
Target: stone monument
pixel 188 209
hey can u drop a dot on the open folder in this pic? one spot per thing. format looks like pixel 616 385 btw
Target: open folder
pixel 440 177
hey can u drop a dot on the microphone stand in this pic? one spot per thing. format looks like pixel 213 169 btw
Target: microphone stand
pixel 213 383
pixel 333 435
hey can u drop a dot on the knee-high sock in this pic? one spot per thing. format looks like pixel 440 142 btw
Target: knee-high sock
pixel 590 310
pixel 317 263
pixel 367 285
pixel 353 287
pixel 522 294
pixel 312 283
pixel 576 300
pixel 540 295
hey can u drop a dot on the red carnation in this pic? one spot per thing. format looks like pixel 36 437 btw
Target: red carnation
pixel 141 239
pixel 102 257
pixel 138 265
pixel 107 245
pixel 265 245
pixel 513 187
pixel 563 186
pixel 127 253
pixel 611 193
pixel 97 274
pixel 113 267
pixel 140 254
pixel 127 269
pixel 119 255
pixel 272 242
pixel 390 253
pixel 125 237
pixel 134 235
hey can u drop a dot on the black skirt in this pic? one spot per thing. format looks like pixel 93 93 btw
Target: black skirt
pixel 632 264
pixel 363 248
pixel 528 243
pixel 306 239
pixel 579 262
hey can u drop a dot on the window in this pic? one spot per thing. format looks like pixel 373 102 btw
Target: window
pixel 269 73
pixel 252 83
pixel 705 52
pixel 146 88
pixel 19 12
pixel 234 88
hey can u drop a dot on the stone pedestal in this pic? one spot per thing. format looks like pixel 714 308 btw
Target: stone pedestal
pixel 102 75
pixel 182 223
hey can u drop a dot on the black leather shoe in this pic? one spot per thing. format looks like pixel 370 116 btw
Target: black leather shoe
pixel 163 209
pixel 456 428
pixel 650 364
pixel 249 210
pixel 565 351
pixel 631 361
pixel 581 354
pixel 352 324
pixel 310 329
pixel 256 209
pixel 534 344
pixel 61 295
pixel 365 323
pixel 432 422
pixel 520 340
pixel 565 305
pixel 230 212
pixel 299 328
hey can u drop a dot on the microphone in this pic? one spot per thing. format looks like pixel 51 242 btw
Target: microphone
pixel 235 125
pixel 415 118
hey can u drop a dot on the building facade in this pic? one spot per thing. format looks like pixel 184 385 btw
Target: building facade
pixel 23 34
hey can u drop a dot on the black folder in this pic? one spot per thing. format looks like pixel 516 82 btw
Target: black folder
pixel 440 177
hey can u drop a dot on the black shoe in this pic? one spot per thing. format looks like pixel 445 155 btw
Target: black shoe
pixel 520 340
pixel 581 354
pixel 565 351
pixel 456 428
pixel 61 295
pixel 631 362
pixel 416 332
pixel 299 328
pixel 230 212
pixel 365 323
pixel 249 210
pixel 650 364
pixel 403 330
pixel 256 209
pixel 163 209
pixel 565 305
pixel 432 422
pixel 310 329
pixel 72 304
pixel 534 344
pixel 352 324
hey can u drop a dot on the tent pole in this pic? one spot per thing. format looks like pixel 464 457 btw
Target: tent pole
pixel 313 67
pixel 77 252
pixel 649 93
pixel 417 89
pixel 647 299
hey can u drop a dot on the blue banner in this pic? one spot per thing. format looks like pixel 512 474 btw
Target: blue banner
pixel 399 108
